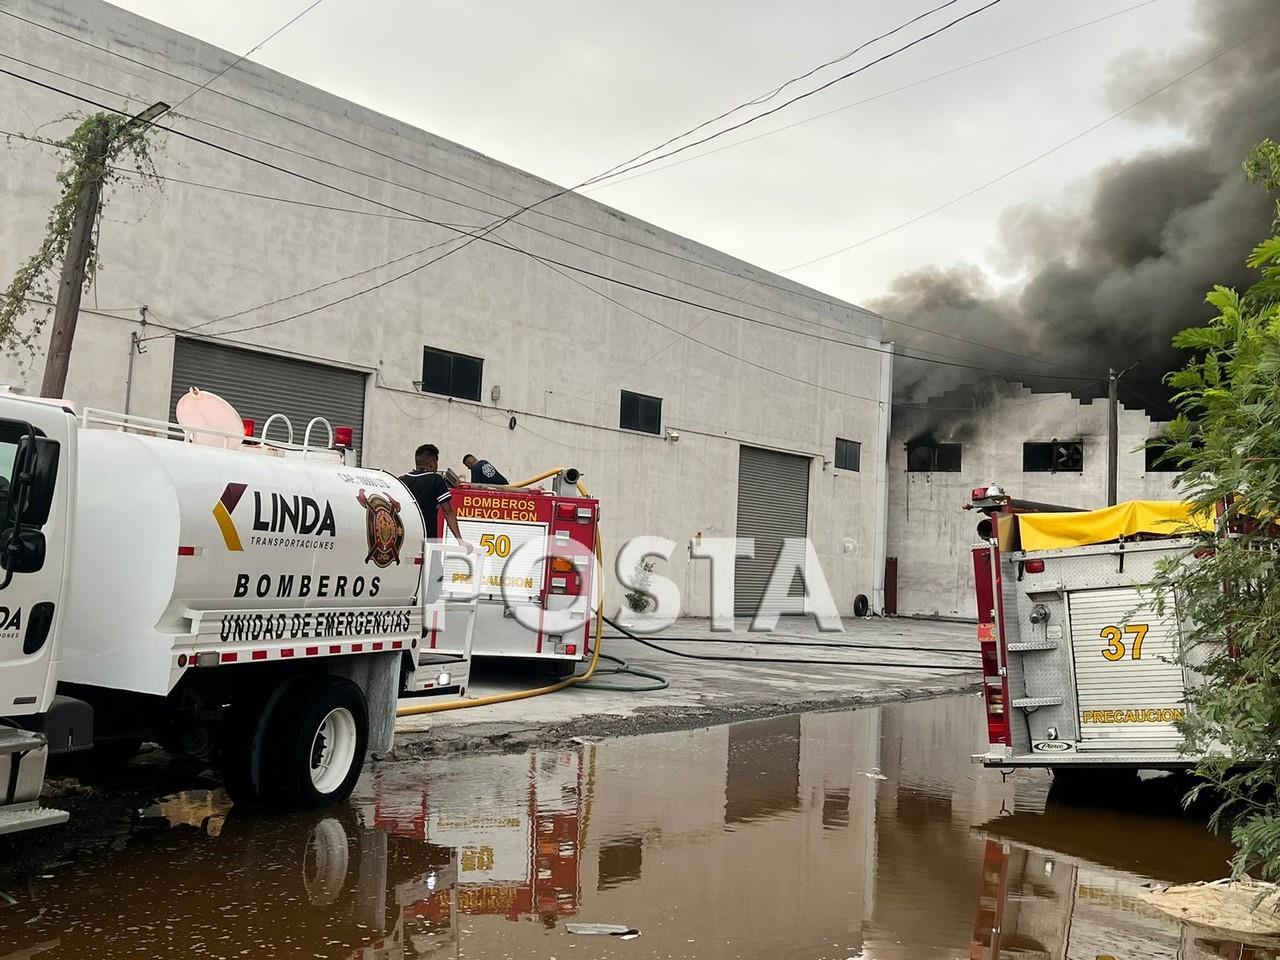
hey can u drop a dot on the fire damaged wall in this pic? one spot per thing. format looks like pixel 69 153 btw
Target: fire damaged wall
pixel 1039 446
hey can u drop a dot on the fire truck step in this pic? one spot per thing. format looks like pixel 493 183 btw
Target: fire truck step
pixel 1033 702
pixel 13 819
pixel 1032 645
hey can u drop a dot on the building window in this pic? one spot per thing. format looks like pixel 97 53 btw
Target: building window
pixel 925 456
pixel 1056 456
pixel 848 454
pixel 451 374
pixel 641 413
pixel 1158 461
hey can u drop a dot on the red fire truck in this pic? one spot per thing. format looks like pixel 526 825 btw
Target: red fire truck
pixel 1083 667
pixel 538 598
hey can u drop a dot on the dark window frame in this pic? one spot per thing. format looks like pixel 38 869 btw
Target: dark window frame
pixel 644 415
pixel 1156 456
pixel 846 447
pixel 1044 456
pixel 941 457
pixel 446 384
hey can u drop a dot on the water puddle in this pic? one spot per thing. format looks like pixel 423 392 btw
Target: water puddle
pixel 824 837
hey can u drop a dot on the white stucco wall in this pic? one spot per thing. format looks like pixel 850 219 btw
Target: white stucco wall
pixel 929 531
pixel 559 352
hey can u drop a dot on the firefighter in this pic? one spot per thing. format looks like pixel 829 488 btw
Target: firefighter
pixel 432 493
pixel 482 471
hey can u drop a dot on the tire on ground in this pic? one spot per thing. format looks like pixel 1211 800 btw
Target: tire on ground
pixel 315 745
pixel 563 669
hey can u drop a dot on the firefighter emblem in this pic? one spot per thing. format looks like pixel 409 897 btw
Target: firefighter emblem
pixel 383 527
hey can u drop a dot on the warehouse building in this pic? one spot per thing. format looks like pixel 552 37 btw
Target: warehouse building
pixel 1048 447
pixel 287 296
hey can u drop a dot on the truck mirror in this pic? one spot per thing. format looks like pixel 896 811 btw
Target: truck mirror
pixel 21 551
pixel 35 473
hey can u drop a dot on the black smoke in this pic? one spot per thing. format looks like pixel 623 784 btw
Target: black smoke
pixel 1110 285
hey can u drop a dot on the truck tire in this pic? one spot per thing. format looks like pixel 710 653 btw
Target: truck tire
pixel 315 745
pixel 563 669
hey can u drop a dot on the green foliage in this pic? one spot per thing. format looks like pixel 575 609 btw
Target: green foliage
pixel 93 152
pixel 1226 442
pixel 640 599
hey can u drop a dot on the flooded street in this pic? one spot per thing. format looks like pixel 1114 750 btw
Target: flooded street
pixel 864 834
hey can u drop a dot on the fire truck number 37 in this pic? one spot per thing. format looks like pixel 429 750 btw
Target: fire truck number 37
pixel 1116 649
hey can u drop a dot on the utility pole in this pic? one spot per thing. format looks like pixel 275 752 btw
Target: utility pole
pixel 79 245
pixel 1113 434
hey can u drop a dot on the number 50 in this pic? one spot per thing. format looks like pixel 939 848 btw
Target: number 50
pixel 1115 649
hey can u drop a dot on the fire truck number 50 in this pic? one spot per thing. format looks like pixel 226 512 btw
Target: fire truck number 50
pixel 499 546
pixel 1115 649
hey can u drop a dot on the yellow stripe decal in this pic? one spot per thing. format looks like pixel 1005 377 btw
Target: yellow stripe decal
pixel 227 527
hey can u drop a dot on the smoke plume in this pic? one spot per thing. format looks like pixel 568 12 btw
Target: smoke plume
pixel 1111 283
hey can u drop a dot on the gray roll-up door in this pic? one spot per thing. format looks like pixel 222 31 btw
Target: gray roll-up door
pixel 773 503
pixel 260 384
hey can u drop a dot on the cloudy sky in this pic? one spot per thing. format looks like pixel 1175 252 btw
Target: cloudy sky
pixel 565 89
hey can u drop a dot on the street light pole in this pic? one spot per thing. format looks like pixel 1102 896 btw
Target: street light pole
pixel 79 245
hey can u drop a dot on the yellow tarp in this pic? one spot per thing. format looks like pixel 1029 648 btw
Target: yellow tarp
pixel 1048 531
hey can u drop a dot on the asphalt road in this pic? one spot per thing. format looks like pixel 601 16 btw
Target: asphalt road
pixel 872 661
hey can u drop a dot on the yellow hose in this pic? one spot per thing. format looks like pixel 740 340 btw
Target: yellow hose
pixel 416 709
pixel 539 478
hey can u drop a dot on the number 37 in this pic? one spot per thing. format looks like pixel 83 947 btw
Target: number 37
pixel 1115 649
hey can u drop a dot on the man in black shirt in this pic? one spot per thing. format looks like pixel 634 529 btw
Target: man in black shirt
pixel 432 493
pixel 482 471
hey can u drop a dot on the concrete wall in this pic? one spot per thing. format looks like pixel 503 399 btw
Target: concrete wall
pixel 557 349
pixel 929 531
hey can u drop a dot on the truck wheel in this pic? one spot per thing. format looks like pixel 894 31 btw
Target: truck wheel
pixel 315 746
pixel 563 669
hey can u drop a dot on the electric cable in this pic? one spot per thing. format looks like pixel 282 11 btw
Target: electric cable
pixel 877 96
pixel 790 661
pixel 1022 166
pixel 467 238
pixel 471 230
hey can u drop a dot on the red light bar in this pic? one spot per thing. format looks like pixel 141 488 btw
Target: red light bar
pixel 342 438
pixel 1034 566
pixel 248 426
pixel 565 511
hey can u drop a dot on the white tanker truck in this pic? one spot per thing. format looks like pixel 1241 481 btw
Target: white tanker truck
pixel 247 606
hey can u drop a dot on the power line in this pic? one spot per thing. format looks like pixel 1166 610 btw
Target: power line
pixel 789 290
pixel 561 192
pixel 872 98
pixel 803 96
pixel 484 236
pixel 1022 166
pixel 766 97
pixel 238 60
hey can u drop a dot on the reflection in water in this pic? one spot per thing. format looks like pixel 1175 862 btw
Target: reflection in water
pixel 864 834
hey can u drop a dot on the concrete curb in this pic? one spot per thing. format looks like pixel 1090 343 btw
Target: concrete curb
pixel 509 737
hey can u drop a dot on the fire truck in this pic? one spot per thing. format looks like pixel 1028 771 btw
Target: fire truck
pixel 538 597
pixel 1083 666
pixel 239 600
pixel 514 824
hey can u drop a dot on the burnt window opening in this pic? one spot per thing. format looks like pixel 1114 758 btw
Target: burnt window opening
pixel 451 374
pixel 1056 456
pixel 640 412
pixel 1158 458
pixel 927 456
pixel 848 454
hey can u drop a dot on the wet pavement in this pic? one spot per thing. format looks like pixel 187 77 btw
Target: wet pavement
pixel 862 834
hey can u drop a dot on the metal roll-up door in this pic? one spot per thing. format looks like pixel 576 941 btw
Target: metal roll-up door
pixel 260 384
pixel 773 503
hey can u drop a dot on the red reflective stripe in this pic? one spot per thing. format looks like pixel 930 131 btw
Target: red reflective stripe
pixel 287 652
pixel 395 645
pixel 435 618
pixel 376 645
pixel 229 657
pixel 335 649
pixel 259 654
pixel 186 551
pixel 357 648
pixel 417 561
pixel 313 651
